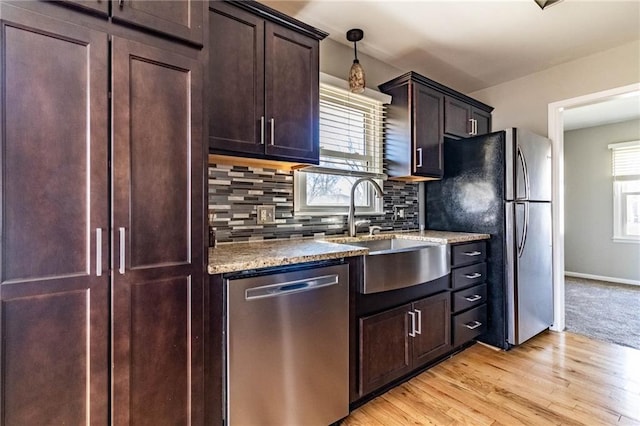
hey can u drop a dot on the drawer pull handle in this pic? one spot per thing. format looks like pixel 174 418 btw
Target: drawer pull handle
pixel 474 275
pixel 473 298
pixel 472 253
pixel 473 325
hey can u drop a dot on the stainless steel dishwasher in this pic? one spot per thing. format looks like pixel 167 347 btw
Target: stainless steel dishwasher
pixel 287 347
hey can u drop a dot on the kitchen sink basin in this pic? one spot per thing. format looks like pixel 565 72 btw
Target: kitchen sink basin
pixel 377 247
pixel 397 263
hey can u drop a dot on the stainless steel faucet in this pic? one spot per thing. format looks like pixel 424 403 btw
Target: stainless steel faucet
pixel 352 204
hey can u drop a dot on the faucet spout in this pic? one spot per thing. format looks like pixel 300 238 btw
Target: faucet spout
pixel 352 205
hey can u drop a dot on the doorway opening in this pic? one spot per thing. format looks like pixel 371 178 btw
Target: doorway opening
pixel 556 112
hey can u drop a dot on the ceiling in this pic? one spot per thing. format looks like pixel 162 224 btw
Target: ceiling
pixel 473 44
pixel 470 45
pixel 614 110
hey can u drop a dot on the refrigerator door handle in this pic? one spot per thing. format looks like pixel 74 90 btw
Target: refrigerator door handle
pixel 525 228
pixel 525 172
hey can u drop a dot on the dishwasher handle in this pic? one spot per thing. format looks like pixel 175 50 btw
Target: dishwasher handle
pixel 290 287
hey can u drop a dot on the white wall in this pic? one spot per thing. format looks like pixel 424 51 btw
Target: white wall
pixel 518 103
pixel 524 102
pixel 336 60
pixel 589 204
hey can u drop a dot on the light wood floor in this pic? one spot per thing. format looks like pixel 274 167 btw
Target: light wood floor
pixel 553 379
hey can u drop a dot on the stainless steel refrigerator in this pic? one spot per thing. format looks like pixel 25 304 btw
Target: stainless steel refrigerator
pixel 500 184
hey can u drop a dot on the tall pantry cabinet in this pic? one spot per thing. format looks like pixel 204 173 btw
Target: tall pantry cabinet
pixel 101 280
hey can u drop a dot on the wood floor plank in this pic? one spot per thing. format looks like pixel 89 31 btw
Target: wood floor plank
pixel 459 399
pixel 554 378
pixel 473 416
pixel 409 398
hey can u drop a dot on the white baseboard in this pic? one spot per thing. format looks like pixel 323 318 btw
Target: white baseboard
pixel 601 278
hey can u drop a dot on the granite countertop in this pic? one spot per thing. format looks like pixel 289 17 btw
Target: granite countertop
pixel 438 237
pixel 234 257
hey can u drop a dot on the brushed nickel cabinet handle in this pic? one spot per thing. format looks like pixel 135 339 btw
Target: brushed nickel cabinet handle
pixel 121 267
pixel 262 130
pixel 473 325
pixel 419 313
pixel 419 151
pixel 473 298
pixel 98 252
pixel 472 253
pixel 471 125
pixel 273 131
pixel 473 276
pixel 412 333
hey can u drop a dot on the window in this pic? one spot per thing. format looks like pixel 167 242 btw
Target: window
pixel 351 137
pixel 626 191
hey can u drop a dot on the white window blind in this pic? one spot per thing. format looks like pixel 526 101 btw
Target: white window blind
pixel 625 159
pixel 625 169
pixel 351 132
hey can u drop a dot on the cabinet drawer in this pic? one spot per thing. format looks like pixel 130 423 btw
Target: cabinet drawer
pixel 465 254
pixel 465 299
pixel 469 325
pixel 469 275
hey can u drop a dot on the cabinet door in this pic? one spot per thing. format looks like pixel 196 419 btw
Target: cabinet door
pixel 384 348
pixel 236 81
pixel 182 19
pixel 483 121
pixel 100 6
pixel 457 118
pixel 54 307
pixel 158 173
pixel 434 339
pixel 428 120
pixel 292 95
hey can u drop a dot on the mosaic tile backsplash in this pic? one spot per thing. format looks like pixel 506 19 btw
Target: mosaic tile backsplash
pixel 235 191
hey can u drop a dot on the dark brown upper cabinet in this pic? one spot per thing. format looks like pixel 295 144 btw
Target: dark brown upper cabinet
pixel 180 19
pixel 461 119
pixel 415 132
pixel 418 117
pixel 263 84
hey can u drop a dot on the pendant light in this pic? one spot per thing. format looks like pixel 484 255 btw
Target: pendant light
pixel 356 73
pixel 546 3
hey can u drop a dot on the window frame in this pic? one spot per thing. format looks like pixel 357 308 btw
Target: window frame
pixel 622 180
pixel 373 153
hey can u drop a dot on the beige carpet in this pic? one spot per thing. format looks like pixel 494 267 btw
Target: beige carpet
pixel 603 311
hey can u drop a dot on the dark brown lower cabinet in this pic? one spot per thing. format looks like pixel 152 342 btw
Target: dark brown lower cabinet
pixel 435 333
pixel 397 341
